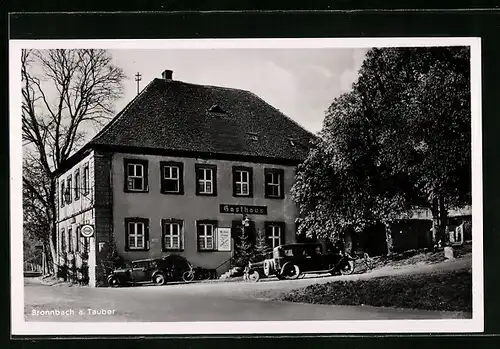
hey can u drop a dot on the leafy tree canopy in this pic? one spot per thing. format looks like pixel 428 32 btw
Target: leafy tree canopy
pixel 399 139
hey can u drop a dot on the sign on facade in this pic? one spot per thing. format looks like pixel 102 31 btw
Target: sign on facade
pixel 243 209
pixel 87 230
pixel 224 239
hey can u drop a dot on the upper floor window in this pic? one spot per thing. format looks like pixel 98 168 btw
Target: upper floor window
pixel 86 179
pixel 172 174
pixel 136 175
pixel 242 181
pixel 206 179
pixel 70 239
pixel 62 241
pixel 77 184
pixel 69 190
pixel 205 231
pixel 137 234
pixel 62 192
pixel 172 235
pixel 274 183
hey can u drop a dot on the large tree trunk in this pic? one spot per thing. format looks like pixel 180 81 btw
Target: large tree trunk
pixel 54 261
pixel 443 219
pixel 388 239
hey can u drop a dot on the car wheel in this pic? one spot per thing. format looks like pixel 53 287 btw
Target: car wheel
pixel 347 268
pixel 188 276
pixel 159 279
pixel 254 276
pixel 114 282
pixel 291 271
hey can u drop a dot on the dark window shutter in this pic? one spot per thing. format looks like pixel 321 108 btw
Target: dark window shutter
pixel 146 234
pixel 250 181
pixel 234 180
pixel 214 176
pixel 281 174
pixel 198 233
pixel 146 175
pixel 127 248
pixel 181 178
pixel 197 179
pixel 125 176
pixel 267 191
pixel 282 226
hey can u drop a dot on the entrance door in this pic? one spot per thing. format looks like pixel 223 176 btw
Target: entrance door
pixel 250 231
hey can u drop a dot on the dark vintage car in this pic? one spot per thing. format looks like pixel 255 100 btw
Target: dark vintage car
pixel 158 271
pixel 293 260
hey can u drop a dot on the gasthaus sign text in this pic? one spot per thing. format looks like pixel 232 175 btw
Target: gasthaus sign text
pixel 243 209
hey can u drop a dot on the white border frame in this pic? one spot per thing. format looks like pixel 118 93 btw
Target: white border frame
pixel 21 327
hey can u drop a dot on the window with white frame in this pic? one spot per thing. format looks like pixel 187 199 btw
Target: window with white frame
pixel 136 234
pixel 172 234
pixel 274 183
pixel 206 236
pixel 275 234
pixel 86 179
pixel 136 175
pixel 70 188
pixel 206 180
pixel 77 184
pixel 70 239
pixel 62 193
pixel 172 177
pixel 242 181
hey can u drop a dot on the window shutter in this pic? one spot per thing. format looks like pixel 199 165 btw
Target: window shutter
pixel 198 233
pixel 146 234
pixel 234 180
pixel 197 179
pixel 282 226
pixel 181 178
pixel 146 175
pixel 281 174
pixel 250 182
pixel 214 176
pixel 125 178
pixel 181 235
pixel 267 192
pixel 127 247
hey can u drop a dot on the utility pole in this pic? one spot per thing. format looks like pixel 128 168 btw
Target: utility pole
pixel 138 78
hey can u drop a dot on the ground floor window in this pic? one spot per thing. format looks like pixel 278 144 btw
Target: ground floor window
pixel 137 230
pixel 275 233
pixel 206 235
pixel 172 234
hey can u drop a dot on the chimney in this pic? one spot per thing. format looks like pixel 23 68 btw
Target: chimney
pixel 167 74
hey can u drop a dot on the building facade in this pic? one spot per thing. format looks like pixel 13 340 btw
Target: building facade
pixel 176 172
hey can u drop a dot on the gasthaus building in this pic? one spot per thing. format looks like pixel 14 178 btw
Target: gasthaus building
pixel 176 172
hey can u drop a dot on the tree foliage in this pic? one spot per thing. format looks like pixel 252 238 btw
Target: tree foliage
pixel 399 139
pixel 243 251
pixel 62 91
pixel 261 248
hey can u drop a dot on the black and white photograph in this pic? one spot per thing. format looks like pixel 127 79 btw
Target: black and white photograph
pixel 256 186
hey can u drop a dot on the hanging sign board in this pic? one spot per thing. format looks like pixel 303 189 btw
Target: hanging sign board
pixel 87 230
pixel 224 208
pixel 224 239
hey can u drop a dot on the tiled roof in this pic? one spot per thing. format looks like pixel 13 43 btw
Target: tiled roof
pixel 173 115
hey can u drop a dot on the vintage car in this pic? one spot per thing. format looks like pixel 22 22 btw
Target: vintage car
pixel 158 271
pixel 293 260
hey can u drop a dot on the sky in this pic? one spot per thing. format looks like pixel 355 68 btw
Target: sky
pixel 302 83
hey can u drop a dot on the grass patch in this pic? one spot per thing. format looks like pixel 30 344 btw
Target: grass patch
pixel 450 291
